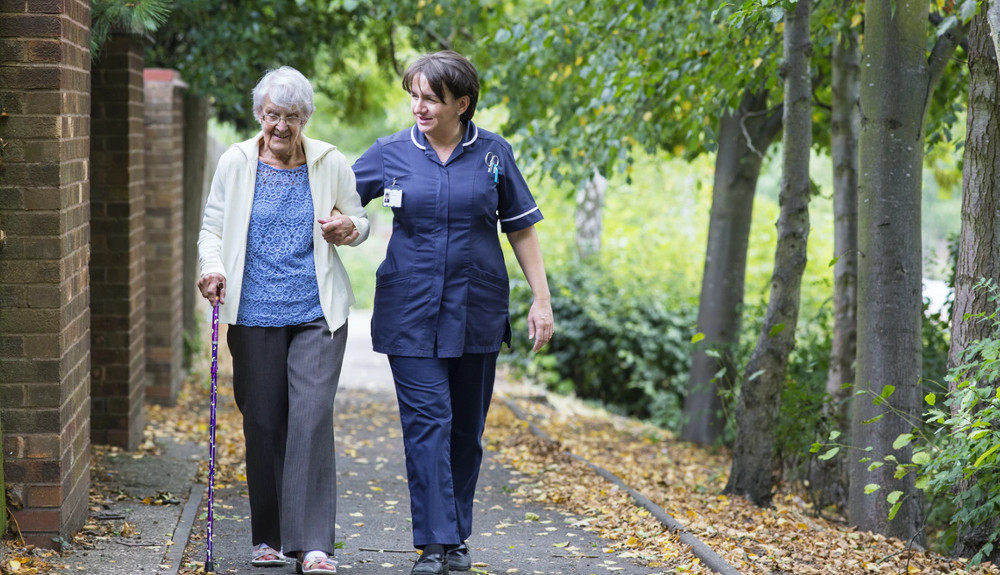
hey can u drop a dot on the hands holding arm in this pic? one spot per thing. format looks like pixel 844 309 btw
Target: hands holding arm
pixel 338 229
pixel 541 325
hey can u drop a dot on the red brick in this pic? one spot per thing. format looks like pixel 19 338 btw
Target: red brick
pixel 44 495
pixel 43 395
pixel 33 128
pixel 42 346
pixel 32 471
pixel 48 51
pixel 28 271
pixel 44 104
pixel 45 6
pixel 31 26
pixel 12 49
pixel 12 395
pixel 42 446
pixel 37 521
pixel 160 75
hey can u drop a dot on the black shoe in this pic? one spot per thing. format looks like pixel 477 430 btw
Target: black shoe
pixel 459 558
pixel 430 564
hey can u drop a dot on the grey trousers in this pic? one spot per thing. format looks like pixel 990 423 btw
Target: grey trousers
pixel 285 381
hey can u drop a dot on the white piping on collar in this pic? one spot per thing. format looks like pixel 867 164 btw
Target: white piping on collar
pixel 474 136
pixel 413 138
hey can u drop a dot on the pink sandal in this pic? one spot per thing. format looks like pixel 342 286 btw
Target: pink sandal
pixel 321 566
pixel 265 556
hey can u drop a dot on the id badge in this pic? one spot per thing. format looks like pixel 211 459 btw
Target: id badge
pixel 392 197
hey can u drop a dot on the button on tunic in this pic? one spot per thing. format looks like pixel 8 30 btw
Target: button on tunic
pixel 442 290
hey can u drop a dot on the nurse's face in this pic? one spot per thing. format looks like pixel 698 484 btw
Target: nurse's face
pixel 437 119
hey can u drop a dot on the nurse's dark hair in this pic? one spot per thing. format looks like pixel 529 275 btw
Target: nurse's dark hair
pixel 446 68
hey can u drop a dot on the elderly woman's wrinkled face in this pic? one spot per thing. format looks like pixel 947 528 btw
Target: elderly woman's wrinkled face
pixel 282 129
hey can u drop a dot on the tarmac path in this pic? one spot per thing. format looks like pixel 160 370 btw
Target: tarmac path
pixel 373 500
pixel 373 524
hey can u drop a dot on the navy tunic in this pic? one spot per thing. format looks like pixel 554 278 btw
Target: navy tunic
pixel 442 290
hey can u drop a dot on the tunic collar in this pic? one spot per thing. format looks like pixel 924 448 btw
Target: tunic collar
pixel 420 141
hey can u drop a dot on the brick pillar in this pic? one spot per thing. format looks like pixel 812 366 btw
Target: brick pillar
pixel 164 118
pixel 196 113
pixel 44 312
pixel 117 216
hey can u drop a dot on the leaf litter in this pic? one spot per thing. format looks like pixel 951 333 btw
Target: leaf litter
pixel 684 479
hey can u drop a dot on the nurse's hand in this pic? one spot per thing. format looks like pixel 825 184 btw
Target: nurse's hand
pixel 213 286
pixel 338 229
pixel 541 325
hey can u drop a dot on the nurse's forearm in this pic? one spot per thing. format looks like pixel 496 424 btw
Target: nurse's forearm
pixel 529 256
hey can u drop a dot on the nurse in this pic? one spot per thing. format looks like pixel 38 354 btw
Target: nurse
pixel 441 297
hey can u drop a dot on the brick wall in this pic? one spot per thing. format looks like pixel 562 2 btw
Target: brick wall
pixel 117 218
pixel 44 313
pixel 196 114
pixel 164 112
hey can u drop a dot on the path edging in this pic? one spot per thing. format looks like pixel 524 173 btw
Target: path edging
pixel 710 558
pixel 182 533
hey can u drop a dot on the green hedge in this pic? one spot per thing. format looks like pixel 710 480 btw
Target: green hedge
pixel 617 340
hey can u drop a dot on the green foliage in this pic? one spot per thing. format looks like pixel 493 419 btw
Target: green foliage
pixel 221 49
pixel 966 444
pixel 132 16
pixel 609 89
pixel 619 343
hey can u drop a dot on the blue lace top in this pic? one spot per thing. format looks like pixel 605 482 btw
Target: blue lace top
pixel 279 276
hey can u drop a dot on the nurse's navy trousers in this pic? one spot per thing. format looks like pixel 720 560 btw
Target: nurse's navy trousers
pixel 442 407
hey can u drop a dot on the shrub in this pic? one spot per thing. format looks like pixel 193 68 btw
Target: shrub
pixel 616 341
pixel 966 444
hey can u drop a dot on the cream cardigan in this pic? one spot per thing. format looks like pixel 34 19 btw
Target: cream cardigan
pixel 222 241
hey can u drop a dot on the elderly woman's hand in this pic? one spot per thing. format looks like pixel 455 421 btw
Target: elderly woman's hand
pixel 213 286
pixel 541 325
pixel 338 229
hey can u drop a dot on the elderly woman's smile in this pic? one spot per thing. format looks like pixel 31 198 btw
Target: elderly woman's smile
pixel 282 133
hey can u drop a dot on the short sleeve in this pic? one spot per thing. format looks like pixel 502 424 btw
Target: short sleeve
pixel 517 209
pixel 369 172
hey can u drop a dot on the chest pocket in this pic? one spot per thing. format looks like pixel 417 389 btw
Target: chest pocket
pixel 485 197
pixel 418 202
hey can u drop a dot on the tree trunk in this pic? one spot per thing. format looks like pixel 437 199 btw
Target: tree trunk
pixel 829 479
pixel 757 412
pixel 589 210
pixel 737 167
pixel 979 248
pixel 894 84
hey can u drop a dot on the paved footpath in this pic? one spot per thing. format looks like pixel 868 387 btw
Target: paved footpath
pixel 373 503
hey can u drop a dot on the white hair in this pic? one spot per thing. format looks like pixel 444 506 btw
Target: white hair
pixel 287 88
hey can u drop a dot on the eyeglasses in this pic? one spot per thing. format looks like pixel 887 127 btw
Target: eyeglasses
pixel 272 119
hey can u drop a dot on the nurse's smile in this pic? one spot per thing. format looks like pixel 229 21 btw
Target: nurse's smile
pixel 437 118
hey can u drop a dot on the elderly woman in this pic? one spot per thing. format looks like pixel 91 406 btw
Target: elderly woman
pixel 441 298
pixel 267 254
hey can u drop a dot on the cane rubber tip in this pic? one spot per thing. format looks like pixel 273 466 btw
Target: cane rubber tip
pixel 209 567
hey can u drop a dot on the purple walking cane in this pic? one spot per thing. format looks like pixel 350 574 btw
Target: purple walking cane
pixel 209 566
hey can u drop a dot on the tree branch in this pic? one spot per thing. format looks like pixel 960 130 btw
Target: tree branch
pixel 941 56
pixel 392 51
pixel 443 42
pixel 936 19
pixel 768 125
pixel 993 17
